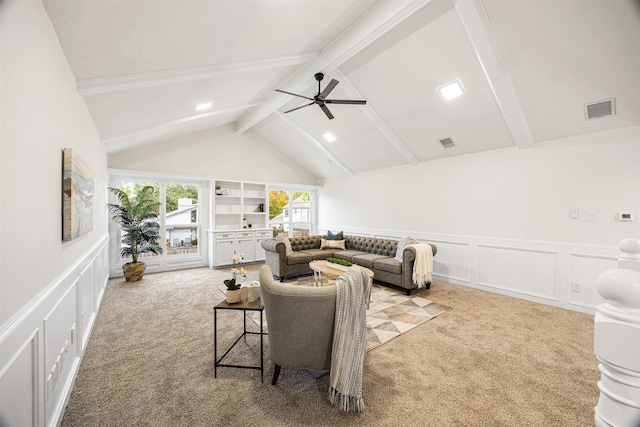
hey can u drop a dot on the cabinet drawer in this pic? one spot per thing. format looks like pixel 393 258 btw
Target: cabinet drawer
pixel 264 233
pixel 225 236
pixel 245 234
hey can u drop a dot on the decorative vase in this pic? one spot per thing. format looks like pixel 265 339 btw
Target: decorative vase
pixel 133 271
pixel 234 296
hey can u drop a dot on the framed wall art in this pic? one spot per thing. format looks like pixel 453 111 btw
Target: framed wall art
pixel 77 196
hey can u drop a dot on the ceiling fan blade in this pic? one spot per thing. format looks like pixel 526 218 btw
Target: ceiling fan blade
pixel 329 88
pixel 326 111
pixel 297 108
pixel 294 94
pixel 344 101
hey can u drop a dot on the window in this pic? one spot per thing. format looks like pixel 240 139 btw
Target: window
pixel 132 188
pixel 179 215
pixel 181 227
pixel 290 211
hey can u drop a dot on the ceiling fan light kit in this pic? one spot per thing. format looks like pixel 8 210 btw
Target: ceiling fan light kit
pixel 321 97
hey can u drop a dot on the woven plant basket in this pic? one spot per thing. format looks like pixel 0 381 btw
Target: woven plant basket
pixel 133 272
pixel 234 296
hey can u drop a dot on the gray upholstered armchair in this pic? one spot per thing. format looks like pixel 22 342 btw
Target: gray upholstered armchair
pixel 300 321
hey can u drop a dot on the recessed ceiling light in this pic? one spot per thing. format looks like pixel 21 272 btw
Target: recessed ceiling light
pixel 329 137
pixel 204 106
pixel 451 90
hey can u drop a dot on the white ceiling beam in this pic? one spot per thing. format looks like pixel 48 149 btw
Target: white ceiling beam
pixel 328 154
pixel 375 119
pixel 158 78
pixel 379 19
pixel 476 24
pixel 130 138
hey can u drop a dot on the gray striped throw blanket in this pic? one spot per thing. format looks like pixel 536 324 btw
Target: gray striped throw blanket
pixel 349 341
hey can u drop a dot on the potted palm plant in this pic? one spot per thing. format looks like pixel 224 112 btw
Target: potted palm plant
pixel 136 215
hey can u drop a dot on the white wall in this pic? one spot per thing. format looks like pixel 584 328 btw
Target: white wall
pixel 216 153
pixel 47 287
pixel 513 193
pixel 41 114
pixel 501 218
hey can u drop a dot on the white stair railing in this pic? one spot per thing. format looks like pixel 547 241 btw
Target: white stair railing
pixel 617 340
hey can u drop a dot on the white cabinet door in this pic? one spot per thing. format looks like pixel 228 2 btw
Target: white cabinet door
pixel 246 246
pixel 224 252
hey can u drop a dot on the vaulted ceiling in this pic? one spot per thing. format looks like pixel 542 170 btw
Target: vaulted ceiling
pixel 527 67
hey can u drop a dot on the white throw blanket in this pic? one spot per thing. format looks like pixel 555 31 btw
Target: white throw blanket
pixel 423 266
pixel 349 341
pixel 402 243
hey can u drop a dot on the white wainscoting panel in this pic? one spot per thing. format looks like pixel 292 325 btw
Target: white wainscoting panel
pixel 41 347
pixel 583 274
pixel 89 298
pixel 452 260
pixel 106 266
pixel 539 271
pixel 19 386
pixel 59 353
pixel 530 272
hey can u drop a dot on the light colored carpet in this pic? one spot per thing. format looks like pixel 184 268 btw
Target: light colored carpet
pixel 491 361
pixel 391 312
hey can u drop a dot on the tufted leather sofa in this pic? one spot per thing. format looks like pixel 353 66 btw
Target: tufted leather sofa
pixel 373 253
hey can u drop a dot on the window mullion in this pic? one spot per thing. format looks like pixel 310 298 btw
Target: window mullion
pixel 163 218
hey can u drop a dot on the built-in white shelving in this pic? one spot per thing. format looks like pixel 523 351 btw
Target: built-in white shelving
pixel 240 221
pixel 236 202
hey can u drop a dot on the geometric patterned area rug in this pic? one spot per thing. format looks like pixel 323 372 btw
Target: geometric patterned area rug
pixel 391 313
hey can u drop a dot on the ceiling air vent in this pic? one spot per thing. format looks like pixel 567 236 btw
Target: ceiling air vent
pixel 447 142
pixel 596 110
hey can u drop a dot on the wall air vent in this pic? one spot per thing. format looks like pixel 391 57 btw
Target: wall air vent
pixel 599 109
pixel 447 142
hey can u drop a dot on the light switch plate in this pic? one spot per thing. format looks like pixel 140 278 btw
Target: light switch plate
pixel 575 213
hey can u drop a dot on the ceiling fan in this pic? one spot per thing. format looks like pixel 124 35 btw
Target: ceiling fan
pixel 321 97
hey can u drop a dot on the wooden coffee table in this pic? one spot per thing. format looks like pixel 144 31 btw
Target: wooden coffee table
pixel 321 267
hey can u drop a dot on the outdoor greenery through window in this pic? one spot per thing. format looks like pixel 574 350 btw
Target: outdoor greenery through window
pixel 179 216
pixel 290 212
pixel 181 223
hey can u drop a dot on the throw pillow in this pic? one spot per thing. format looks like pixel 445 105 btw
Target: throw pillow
pixel 287 244
pixel 332 244
pixel 401 245
pixel 337 236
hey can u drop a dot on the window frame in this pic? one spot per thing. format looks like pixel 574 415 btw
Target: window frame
pixel 289 224
pixel 164 261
